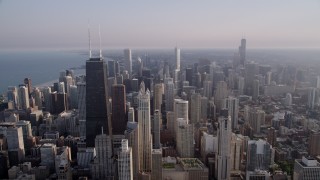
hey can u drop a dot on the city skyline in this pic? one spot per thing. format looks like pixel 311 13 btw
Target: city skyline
pixel 209 24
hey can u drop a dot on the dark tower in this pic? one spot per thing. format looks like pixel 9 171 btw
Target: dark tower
pixel 119 120
pixel 28 84
pixel 242 51
pixel 96 99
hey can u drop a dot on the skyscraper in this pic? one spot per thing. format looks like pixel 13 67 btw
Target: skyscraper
pixel 232 104
pixel 144 121
pixel 224 139
pixel 157 96
pixel 242 51
pixel 259 155
pixel 156 126
pixel 195 104
pixel 23 98
pixel 28 84
pixel 125 164
pixel 12 94
pixel 177 53
pixel 128 60
pixel 169 93
pixel 184 138
pixel 119 121
pixel 96 99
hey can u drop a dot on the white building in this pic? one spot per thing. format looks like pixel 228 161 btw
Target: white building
pixel 23 98
pixel 185 138
pixel 232 104
pixel 128 60
pixel 306 169
pixel 125 164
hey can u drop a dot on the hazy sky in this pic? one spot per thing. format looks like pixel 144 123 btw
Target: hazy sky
pixel 158 24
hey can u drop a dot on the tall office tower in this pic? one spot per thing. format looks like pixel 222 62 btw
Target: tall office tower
pixel 241 85
pixel 242 52
pixel 251 70
pixel 132 134
pixel 181 109
pixel 61 87
pixel 268 78
pixel 145 139
pixel 260 155
pixel 73 97
pixel 12 94
pixel 204 109
pixel 177 53
pixel 135 85
pixel 255 93
pixel 306 168
pixel 156 126
pixel 235 150
pixel 16 150
pixel 131 114
pixel 47 98
pixel 177 78
pixel 232 104
pixel 28 84
pixel 169 93
pixel 96 99
pixel 272 136
pixel 184 138
pixel 125 161
pixel 314 143
pixel 128 61
pixel 231 78
pixel 170 123
pixel 156 164
pixel 119 79
pixel 111 68
pixel 207 89
pixel 68 81
pixel 26 129
pixel 189 74
pixel 157 96
pixel 23 98
pixel 48 154
pixel 102 167
pixel 256 119
pixel 212 109
pixel 38 97
pixel 119 121
pixel 59 102
pixel 81 87
pixel 195 108
pixel 220 93
pixel 224 141
pixel 312 97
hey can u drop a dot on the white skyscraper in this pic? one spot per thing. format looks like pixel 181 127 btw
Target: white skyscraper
pixel 177 53
pixel 207 89
pixel 125 164
pixel 128 61
pixel 38 97
pixel 23 98
pixel 13 96
pixel 232 104
pixel 224 139
pixel 144 122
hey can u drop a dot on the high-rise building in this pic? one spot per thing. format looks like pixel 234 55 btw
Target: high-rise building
pixel 195 108
pixel 242 51
pixel 232 104
pixel 131 114
pixel 255 92
pixel 157 96
pixel 73 97
pixel 256 119
pixel 224 141
pixel 251 70
pixel 102 167
pixel 156 127
pixel 260 155
pixel 314 143
pixel 28 84
pixel 12 95
pixel 125 161
pixel 184 138
pixel 23 98
pixel 48 153
pixel 16 149
pixel 207 89
pixel 82 108
pixel 177 53
pixel 132 134
pixel 47 98
pixel 96 99
pixel 128 60
pixel 306 168
pixel 220 93
pixel 38 97
pixel 144 121
pixel 312 97
pixel 204 109
pixel 111 68
pixel 169 93
pixel 119 121
pixel 156 164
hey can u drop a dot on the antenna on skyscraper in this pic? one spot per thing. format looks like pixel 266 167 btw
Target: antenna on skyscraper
pixel 100 41
pixel 90 54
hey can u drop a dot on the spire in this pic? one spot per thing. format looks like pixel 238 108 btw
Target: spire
pixel 100 41
pixel 90 54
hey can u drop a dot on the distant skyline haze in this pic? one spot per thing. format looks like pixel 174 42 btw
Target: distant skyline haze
pixel 36 24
